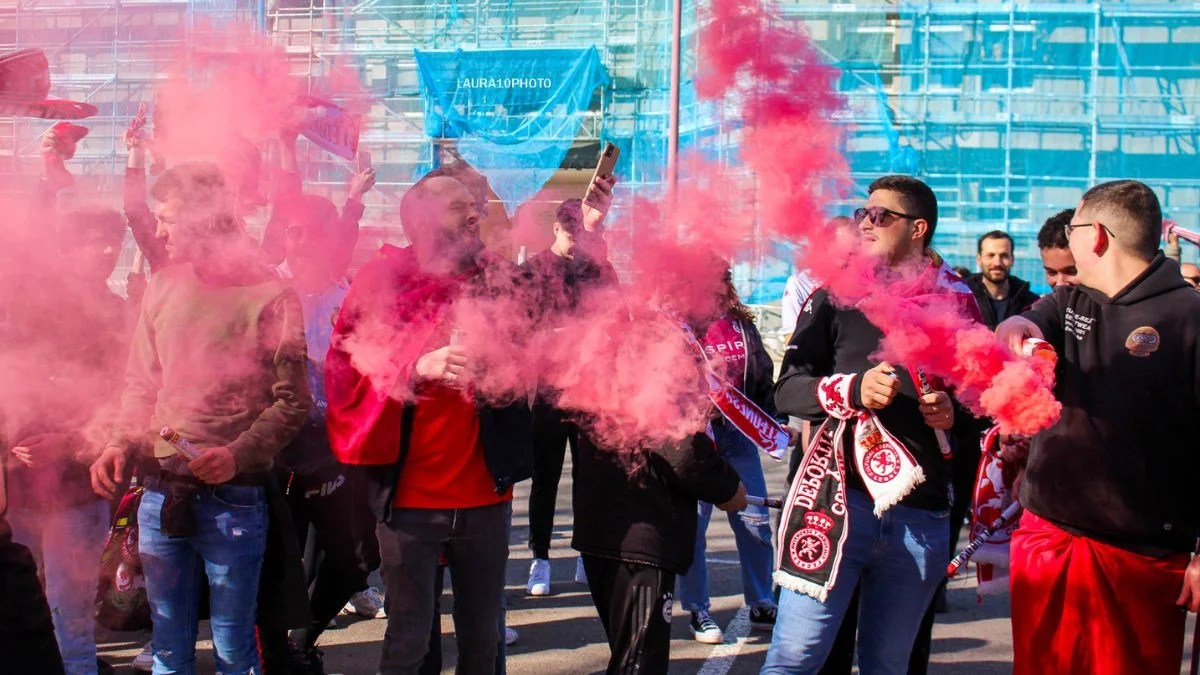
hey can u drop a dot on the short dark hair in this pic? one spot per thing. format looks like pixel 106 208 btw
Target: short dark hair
pixel 1142 229
pixel 570 215
pixel 917 197
pixel 193 182
pixel 994 234
pixel 201 185
pixel 1054 232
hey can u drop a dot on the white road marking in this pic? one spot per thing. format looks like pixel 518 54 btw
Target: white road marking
pixel 723 655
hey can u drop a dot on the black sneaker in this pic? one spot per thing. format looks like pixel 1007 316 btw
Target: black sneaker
pixel 310 661
pixel 763 618
pixel 705 629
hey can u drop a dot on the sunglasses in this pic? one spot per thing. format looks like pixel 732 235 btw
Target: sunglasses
pixel 1069 227
pixel 876 214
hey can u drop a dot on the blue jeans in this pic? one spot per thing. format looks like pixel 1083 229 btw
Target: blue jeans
pixel 751 530
pixel 898 561
pixel 67 544
pixel 227 547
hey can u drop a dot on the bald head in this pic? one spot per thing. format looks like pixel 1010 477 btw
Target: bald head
pixel 441 219
pixel 1191 274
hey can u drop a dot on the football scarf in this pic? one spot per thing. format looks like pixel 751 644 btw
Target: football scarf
pixel 814 516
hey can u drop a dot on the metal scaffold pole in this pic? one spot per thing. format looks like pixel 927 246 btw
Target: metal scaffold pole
pixel 673 130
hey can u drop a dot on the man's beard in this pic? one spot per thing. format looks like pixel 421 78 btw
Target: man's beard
pixel 465 251
pixel 1003 276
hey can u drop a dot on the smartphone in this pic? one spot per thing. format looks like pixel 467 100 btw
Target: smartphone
pixel 364 160
pixel 605 167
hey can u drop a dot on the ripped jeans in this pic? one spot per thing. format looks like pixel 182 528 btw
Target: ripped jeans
pixel 226 552
pixel 751 530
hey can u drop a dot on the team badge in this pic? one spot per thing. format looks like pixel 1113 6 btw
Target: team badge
pixel 809 548
pixel 880 463
pixel 668 602
pixel 1143 342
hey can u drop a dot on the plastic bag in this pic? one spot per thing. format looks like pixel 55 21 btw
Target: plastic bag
pixel 121 602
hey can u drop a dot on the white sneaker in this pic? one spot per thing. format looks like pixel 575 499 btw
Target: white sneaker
pixel 368 603
pixel 510 636
pixel 580 574
pixel 539 577
pixel 144 661
pixel 705 629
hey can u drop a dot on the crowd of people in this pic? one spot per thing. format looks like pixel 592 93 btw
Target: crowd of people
pixel 307 464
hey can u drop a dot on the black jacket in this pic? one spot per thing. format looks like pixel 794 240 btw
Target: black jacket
pixel 1020 298
pixel 640 505
pixel 559 284
pixel 760 371
pixel 1120 466
pixel 830 340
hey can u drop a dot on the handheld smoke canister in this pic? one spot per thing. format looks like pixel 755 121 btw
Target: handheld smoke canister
pixel 942 441
pixel 178 442
pixel 961 559
pixel 1035 348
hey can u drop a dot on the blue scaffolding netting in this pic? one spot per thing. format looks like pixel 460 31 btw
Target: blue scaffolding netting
pixel 1008 110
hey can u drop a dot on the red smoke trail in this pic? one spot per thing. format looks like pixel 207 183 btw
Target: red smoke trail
pixel 790 144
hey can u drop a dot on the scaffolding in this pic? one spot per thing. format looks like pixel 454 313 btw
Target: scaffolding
pixel 1009 110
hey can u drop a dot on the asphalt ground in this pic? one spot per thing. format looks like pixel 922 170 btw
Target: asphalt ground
pixel 560 633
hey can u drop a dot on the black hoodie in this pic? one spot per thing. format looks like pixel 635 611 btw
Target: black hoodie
pixel 640 505
pixel 1121 465
pixel 1019 299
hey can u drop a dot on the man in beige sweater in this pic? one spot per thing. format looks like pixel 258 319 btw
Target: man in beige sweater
pixel 219 355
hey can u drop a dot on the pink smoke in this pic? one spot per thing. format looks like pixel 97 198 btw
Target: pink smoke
pixel 790 145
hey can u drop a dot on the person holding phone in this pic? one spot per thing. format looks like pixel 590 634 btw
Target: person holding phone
pixel 560 276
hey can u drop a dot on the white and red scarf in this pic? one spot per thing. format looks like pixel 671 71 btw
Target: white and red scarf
pixel 814 516
pixel 744 414
pixel 993 494
pixel 814 519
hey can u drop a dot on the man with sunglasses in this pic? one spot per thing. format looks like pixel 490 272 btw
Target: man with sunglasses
pixel 898 558
pixel 1102 569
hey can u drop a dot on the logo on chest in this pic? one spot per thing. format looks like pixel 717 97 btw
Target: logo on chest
pixel 1143 342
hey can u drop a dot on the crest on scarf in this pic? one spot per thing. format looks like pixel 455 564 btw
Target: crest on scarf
pixel 810 547
pixel 881 463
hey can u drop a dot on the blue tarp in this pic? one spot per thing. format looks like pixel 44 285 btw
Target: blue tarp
pixel 539 95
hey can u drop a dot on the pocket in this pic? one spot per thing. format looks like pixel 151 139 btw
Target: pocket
pixel 239 496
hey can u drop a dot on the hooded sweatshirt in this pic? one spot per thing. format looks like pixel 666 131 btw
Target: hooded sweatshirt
pixel 1120 465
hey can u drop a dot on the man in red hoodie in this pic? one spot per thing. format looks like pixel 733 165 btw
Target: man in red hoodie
pixel 440 457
